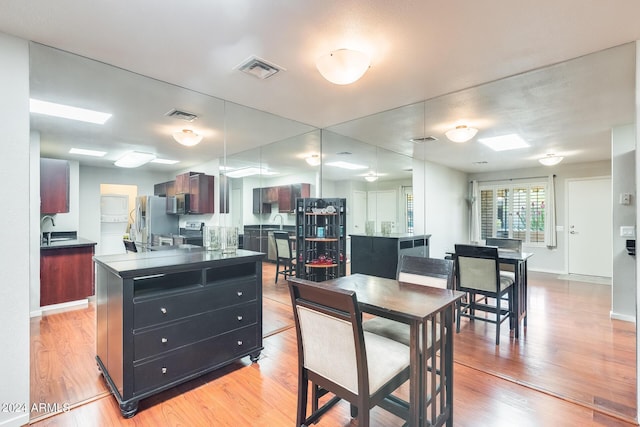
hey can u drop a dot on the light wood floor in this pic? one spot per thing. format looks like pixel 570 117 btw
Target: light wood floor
pixel 573 366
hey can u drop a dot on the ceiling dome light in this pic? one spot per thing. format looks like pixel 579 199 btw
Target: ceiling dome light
pixel 551 160
pixel 187 137
pixel 313 159
pixel 461 133
pixel 343 66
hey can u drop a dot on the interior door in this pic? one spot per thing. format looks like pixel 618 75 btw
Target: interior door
pixel 590 225
pixel 358 212
pixel 383 206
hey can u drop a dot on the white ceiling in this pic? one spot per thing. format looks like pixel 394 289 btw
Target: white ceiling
pixel 421 50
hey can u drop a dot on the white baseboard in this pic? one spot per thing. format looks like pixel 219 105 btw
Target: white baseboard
pixel 623 317
pixel 17 421
pixel 56 308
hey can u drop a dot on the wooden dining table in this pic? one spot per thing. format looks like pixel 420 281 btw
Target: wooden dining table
pixel 519 261
pixel 429 312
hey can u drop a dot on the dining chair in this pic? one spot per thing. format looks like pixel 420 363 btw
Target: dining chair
pixel 285 256
pixel 419 271
pixel 336 356
pixel 506 244
pixel 478 273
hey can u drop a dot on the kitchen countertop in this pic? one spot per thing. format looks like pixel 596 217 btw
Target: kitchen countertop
pixel 67 243
pixel 158 262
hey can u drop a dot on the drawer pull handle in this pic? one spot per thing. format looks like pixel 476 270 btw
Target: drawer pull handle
pixel 164 371
pixel 239 318
pixel 164 340
pixel 239 293
pixel 239 342
pixel 163 310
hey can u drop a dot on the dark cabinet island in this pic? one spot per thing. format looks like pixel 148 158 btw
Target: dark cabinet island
pixel 167 317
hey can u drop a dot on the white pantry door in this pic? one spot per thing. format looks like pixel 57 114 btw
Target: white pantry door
pixel 590 227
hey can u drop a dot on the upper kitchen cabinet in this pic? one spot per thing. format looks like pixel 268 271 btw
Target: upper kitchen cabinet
pixel 54 186
pixel 165 189
pixel 287 195
pixel 201 191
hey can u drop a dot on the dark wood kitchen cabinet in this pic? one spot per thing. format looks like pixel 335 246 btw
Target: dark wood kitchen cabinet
pixel 54 186
pixel 259 204
pixel 202 194
pixel 165 189
pixel 287 195
pixel 200 188
pixel 66 274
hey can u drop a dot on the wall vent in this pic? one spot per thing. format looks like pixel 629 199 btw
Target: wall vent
pixel 259 68
pixel 182 115
pixel 424 139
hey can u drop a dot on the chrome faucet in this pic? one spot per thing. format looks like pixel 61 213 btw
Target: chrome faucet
pixel 281 220
pixel 53 224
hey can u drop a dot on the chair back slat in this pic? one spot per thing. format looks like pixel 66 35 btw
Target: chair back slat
pixel 514 245
pixel 283 244
pixel 426 271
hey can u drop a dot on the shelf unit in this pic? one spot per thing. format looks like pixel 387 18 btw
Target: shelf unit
pixel 320 238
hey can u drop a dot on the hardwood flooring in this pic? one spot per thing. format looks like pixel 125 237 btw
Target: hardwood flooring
pixel 572 366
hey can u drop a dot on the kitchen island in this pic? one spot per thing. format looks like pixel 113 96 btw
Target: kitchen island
pixel 377 254
pixel 167 317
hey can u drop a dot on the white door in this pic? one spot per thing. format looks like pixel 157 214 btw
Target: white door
pixel 358 213
pixel 383 207
pixel 590 227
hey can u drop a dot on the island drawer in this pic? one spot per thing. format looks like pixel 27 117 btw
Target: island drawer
pixel 161 309
pixel 189 360
pixel 152 342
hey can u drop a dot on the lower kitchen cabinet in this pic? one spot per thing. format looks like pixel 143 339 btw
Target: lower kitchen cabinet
pixel 378 254
pixel 66 273
pixel 165 320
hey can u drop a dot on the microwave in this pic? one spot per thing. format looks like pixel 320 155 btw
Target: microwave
pixel 178 204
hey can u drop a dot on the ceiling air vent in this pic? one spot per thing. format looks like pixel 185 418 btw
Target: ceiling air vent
pixel 182 115
pixel 258 67
pixel 424 139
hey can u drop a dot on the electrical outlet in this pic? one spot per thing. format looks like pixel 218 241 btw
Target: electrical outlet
pixel 627 231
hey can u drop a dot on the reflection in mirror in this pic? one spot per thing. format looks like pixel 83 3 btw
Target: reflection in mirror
pixel 577 105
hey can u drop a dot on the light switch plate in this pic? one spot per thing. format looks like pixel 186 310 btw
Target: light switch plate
pixel 627 231
pixel 625 198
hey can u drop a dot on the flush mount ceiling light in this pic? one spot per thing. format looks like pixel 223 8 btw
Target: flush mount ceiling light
pixel 504 142
pixel 67 112
pixel 343 66
pixel 187 137
pixel 461 133
pixel 134 159
pixel 551 159
pixel 313 159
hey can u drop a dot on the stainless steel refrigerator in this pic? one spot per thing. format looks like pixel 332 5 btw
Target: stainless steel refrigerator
pixel 152 220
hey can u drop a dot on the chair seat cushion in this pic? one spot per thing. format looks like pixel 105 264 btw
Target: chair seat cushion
pixel 393 330
pixel 507 278
pixel 386 358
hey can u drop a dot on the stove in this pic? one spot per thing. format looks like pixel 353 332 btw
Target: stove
pixel 192 233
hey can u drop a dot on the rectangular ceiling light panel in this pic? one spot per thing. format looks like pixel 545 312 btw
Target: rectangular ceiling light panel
pixel 83 152
pixel 134 159
pixel 346 165
pixel 504 142
pixel 67 112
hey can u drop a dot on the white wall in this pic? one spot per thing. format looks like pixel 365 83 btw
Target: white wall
pixel 89 180
pixel 18 224
pixel 440 206
pixel 623 180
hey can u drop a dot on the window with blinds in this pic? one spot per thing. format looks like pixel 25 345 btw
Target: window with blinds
pixel 513 211
pixel 409 208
